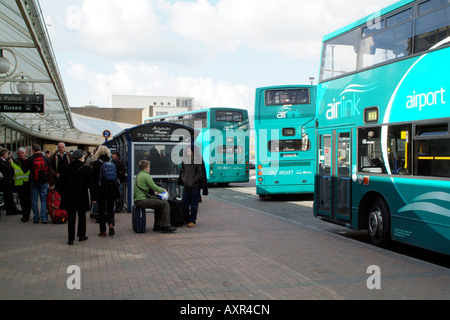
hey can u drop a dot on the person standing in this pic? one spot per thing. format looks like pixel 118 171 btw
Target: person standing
pixel 6 182
pixel 107 191
pixel 59 160
pixel 77 192
pixel 22 183
pixel 40 176
pixel 90 157
pixel 191 178
pixel 121 172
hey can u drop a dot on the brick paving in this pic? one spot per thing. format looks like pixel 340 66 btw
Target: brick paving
pixel 233 253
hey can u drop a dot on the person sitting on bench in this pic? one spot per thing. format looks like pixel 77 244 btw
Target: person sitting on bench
pixel 144 198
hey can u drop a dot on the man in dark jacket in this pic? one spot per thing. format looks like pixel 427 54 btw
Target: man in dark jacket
pixel 77 193
pixel 59 160
pixel 192 178
pixel 6 182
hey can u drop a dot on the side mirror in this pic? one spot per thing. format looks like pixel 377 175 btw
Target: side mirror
pixel 305 142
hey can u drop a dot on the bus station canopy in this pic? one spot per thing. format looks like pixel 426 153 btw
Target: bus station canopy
pixel 26 46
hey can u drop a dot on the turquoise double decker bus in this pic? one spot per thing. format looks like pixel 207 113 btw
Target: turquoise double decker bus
pixel 285 144
pixel 383 112
pixel 224 138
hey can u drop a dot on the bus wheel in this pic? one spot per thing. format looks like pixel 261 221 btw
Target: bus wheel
pixel 379 223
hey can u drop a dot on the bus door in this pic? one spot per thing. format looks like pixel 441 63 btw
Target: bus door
pixel 334 175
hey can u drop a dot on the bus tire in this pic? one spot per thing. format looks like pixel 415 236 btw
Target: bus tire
pixel 379 223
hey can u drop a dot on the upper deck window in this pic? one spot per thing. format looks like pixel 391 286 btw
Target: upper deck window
pixel 390 44
pixel 340 55
pixel 387 38
pixel 432 28
pixel 431 4
pixel 285 97
pixel 399 17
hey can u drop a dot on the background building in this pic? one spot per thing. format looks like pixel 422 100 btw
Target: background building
pixel 134 109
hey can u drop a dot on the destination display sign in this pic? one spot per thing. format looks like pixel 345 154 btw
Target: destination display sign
pixel 22 103
pixel 161 132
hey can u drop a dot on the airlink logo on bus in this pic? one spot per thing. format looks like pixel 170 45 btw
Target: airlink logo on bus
pixel 286 112
pixel 343 108
pixel 421 100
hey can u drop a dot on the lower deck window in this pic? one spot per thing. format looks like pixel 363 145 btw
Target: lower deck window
pixel 422 152
pixel 289 145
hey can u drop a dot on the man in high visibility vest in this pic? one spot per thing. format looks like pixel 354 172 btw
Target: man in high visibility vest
pixel 22 184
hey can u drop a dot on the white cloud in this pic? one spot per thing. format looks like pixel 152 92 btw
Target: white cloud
pixel 293 28
pixel 116 28
pixel 190 31
pixel 146 79
pixel 154 47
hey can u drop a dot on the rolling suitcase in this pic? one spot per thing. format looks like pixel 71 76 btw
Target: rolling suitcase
pixel 57 215
pixel 176 212
pixel 138 220
pixel 94 212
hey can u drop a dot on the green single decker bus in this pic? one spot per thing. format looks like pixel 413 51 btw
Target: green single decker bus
pixel 223 136
pixel 284 130
pixel 383 112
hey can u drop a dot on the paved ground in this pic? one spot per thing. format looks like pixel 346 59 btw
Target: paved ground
pixel 234 253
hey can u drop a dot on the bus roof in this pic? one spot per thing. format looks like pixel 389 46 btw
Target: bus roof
pixel 362 21
pixel 131 129
pixel 196 111
pixel 286 86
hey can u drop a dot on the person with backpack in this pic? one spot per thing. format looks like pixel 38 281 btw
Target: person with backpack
pixel 40 176
pixel 121 170
pixel 105 176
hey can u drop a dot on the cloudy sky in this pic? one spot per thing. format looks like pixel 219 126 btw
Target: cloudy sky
pixel 217 51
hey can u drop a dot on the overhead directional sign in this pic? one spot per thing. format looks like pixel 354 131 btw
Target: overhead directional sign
pixel 22 103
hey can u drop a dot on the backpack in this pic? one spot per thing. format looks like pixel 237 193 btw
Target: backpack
pixel 40 169
pixel 57 215
pixel 108 172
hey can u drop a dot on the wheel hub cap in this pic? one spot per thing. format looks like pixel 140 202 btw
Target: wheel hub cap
pixel 375 223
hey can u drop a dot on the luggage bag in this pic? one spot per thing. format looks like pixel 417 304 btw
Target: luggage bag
pixel 176 212
pixel 94 212
pixel 57 215
pixel 138 220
